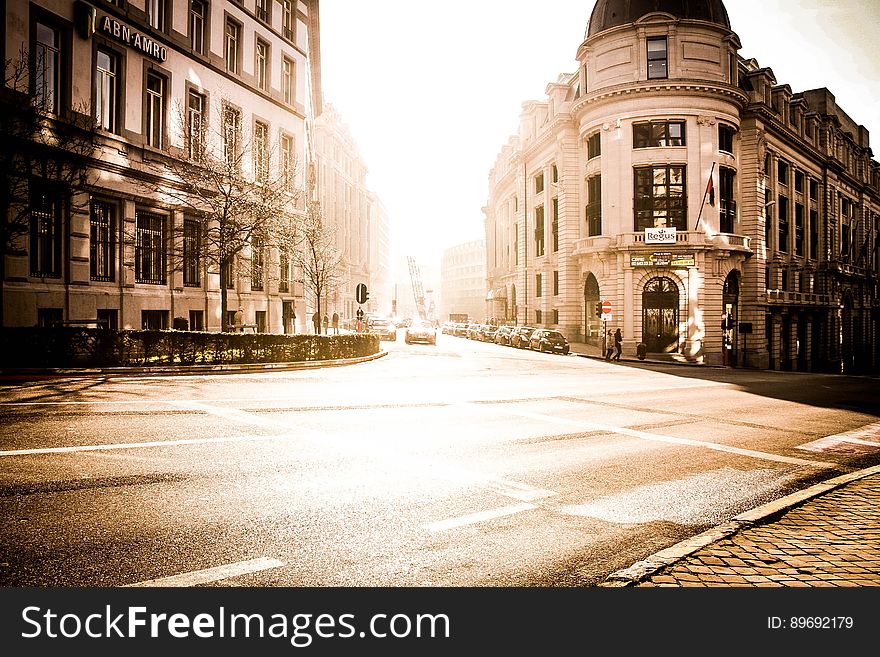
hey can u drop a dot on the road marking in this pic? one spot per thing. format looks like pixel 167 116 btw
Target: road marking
pixel 152 443
pixel 644 435
pixel 209 575
pixel 474 518
pixel 871 432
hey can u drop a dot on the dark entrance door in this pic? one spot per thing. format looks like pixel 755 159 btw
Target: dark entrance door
pixel 660 316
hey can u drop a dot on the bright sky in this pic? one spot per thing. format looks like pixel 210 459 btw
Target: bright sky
pixel 431 91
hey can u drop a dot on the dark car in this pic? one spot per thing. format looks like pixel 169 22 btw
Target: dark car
pixel 549 340
pixel 384 328
pixel 487 332
pixel 502 335
pixel 520 336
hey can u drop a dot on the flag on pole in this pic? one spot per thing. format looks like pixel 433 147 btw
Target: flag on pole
pixel 710 191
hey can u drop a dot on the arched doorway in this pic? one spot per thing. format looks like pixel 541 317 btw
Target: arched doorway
pixel 592 324
pixel 660 316
pixel 730 318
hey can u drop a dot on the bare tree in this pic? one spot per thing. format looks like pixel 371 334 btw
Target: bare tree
pixel 319 262
pixel 224 180
pixel 45 148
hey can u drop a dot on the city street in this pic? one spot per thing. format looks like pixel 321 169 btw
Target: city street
pixel 460 464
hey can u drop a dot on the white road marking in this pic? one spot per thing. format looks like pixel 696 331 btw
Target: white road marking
pixel 209 575
pixel 871 432
pixel 151 443
pixel 474 518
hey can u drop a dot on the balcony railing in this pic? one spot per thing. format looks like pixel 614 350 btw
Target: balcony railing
pixel 688 239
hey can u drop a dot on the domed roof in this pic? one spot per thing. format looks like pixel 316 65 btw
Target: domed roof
pixel 611 13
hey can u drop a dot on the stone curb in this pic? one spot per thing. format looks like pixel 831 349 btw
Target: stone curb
pixel 650 361
pixel 189 369
pixel 646 568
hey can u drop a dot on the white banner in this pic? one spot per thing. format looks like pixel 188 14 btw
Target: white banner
pixel 660 235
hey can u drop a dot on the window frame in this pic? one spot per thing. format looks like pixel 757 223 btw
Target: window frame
pixel 45 226
pixel 594 205
pixel 154 131
pixel 192 251
pixel 102 240
pixel 660 203
pixel 646 134
pixel 151 258
pixel 262 63
pixel 652 72
pixel 108 78
pixel 198 38
pixel 232 60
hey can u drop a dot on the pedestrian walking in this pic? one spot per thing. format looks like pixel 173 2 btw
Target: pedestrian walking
pixel 609 344
pixel 336 323
pixel 618 344
pixel 326 324
pixel 316 321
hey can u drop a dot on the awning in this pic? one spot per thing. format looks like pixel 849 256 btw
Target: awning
pixel 490 295
pixel 497 295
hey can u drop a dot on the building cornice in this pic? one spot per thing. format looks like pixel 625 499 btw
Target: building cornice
pixel 648 89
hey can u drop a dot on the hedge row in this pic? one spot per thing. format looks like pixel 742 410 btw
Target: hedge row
pixel 34 347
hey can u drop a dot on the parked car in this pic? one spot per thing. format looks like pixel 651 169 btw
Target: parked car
pixel 549 340
pixel 502 335
pixel 473 331
pixel 419 331
pixel 384 328
pixel 520 336
pixel 487 332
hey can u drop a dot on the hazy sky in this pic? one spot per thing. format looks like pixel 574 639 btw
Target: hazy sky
pixel 431 91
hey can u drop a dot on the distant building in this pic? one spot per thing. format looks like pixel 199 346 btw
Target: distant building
pixel 463 281
pixel 725 218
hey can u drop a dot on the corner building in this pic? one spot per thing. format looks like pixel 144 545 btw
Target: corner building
pixel 726 219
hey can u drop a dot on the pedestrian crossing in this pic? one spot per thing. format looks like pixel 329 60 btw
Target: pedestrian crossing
pixel 864 440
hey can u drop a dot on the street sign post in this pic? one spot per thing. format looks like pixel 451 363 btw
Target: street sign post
pixel 606 311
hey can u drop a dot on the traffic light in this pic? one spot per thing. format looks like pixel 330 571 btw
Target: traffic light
pixel 598 309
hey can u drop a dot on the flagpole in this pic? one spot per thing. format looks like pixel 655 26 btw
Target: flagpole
pixel 705 194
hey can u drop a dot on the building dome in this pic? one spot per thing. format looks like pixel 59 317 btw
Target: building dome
pixel 611 13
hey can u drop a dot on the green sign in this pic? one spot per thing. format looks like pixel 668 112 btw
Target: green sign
pixel 665 259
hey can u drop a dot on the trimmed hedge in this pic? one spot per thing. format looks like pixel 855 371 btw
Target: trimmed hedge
pixel 65 346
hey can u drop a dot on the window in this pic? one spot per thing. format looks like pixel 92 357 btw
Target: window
pixel 657 65
pixel 539 230
pixel 814 190
pixel 102 243
pixel 727 203
pixel 782 172
pixel 192 252
pixel 725 138
pixel 45 235
pixel 539 183
pixel 286 154
pixel 783 224
pixel 594 205
pixel 287 19
pixel 149 248
pixel 798 229
pixel 287 78
pixel 108 317
pixel 799 181
pixel 768 219
pixel 538 319
pixel 554 316
pixel 154 320
pixel 658 134
pixel 106 90
pixel 231 133
pixel 198 16
pixel 262 64
pixel 47 68
pixel 284 267
pixel 257 262
pixel 262 10
pixel 227 277
pixel 554 226
pixel 47 317
pixel 260 320
pixel 659 198
pixel 156 14
pixel 814 235
pixel 195 126
pixel 233 42
pixel 154 114
pixel 554 172
pixel 594 145
pixel 768 164
pixel 555 283
pixel 196 320
pixel 261 151
pixel 539 285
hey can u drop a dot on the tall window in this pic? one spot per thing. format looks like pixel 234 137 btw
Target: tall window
pixel 287 78
pixel 45 235
pixel 286 154
pixel 262 64
pixel 594 145
pixel 195 125
pixel 287 19
pixel 658 134
pixel 106 90
pixel 156 14
pixel 725 138
pixel 227 277
pixel 262 10
pixel 727 203
pixel 539 183
pixel 554 226
pixel 192 252
pixel 814 234
pixel 783 224
pixel 539 230
pixel 257 262
pixel 284 270
pixel 555 283
pixel 657 59
pixel 47 68
pixel 782 172
pixel 149 263
pixel 539 285
pixel 102 245
pixel 659 197
pixel 594 205
pixel 261 151
pixel 231 133
pixel 233 45
pixel 154 112
pixel 198 15
pixel 798 229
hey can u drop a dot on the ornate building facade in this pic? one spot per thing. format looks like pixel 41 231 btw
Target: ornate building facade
pixel 725 218
pixel 155 76
pixel 463 282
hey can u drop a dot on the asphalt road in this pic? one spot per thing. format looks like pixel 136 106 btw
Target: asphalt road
pixel 460 464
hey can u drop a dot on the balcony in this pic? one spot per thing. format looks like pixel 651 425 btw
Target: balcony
pixel 688 239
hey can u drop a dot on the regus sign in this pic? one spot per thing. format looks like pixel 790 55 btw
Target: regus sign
pixel 660 235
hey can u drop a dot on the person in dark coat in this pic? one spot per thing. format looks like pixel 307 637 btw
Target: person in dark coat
pixel 618 344
pixel 316 321
pixel 609 345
